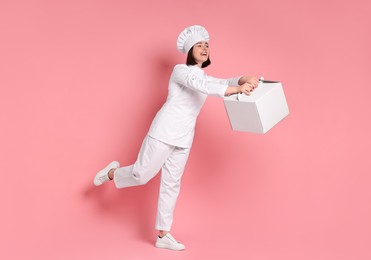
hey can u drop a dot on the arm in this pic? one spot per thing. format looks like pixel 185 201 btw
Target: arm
pixel 243 84
pixel 185 77
pixel 248 79
pixel 230 81
pixel 246 84
pixel 245 88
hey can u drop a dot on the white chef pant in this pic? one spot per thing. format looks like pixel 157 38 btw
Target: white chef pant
pixel 153 156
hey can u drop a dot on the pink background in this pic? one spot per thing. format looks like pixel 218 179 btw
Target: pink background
pixel 81 81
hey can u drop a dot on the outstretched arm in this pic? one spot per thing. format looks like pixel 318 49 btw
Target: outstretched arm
pixel 248 79
pixel 245 88
pixel 184 76
pixel 246 84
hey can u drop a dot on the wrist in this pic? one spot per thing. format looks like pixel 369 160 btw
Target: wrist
pixel 242 80
pixel 237 90
pixel 232 90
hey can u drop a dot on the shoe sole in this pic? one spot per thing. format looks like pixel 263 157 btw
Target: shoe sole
pixel 165 246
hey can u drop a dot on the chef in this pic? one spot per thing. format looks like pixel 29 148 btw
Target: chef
pixel 167 145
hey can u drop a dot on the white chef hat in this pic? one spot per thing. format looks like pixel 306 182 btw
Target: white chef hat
pixel 190 36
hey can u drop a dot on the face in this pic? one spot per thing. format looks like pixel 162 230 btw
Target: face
pixel 201 52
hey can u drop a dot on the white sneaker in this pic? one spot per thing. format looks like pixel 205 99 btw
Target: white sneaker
pixel 169 242
pixel 102 176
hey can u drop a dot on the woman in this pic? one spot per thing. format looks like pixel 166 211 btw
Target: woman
pixel 168 142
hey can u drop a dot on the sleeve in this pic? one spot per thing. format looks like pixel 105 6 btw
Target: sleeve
pixel 185 77
pixel 229 82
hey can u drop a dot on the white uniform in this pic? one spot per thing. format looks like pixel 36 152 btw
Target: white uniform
pixel 170 137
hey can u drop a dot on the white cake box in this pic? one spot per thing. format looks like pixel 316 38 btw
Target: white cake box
pixel 259 112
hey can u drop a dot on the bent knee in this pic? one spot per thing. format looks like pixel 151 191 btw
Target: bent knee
pixel 141 180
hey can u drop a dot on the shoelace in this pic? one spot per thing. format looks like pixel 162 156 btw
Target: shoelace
pixel 171 238
pixel 103 178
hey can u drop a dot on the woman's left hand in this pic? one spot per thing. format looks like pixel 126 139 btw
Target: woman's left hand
pixel 254 81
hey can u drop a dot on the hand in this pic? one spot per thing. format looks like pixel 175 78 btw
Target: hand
pixel 246 88
pixel 252 80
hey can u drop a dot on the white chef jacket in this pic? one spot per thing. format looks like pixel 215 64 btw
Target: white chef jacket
pixel 189 86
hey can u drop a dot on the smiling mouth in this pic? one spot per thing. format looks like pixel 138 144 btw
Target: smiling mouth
pixel 203 53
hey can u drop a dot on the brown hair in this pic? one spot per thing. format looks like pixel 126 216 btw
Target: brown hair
pixel 191 59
